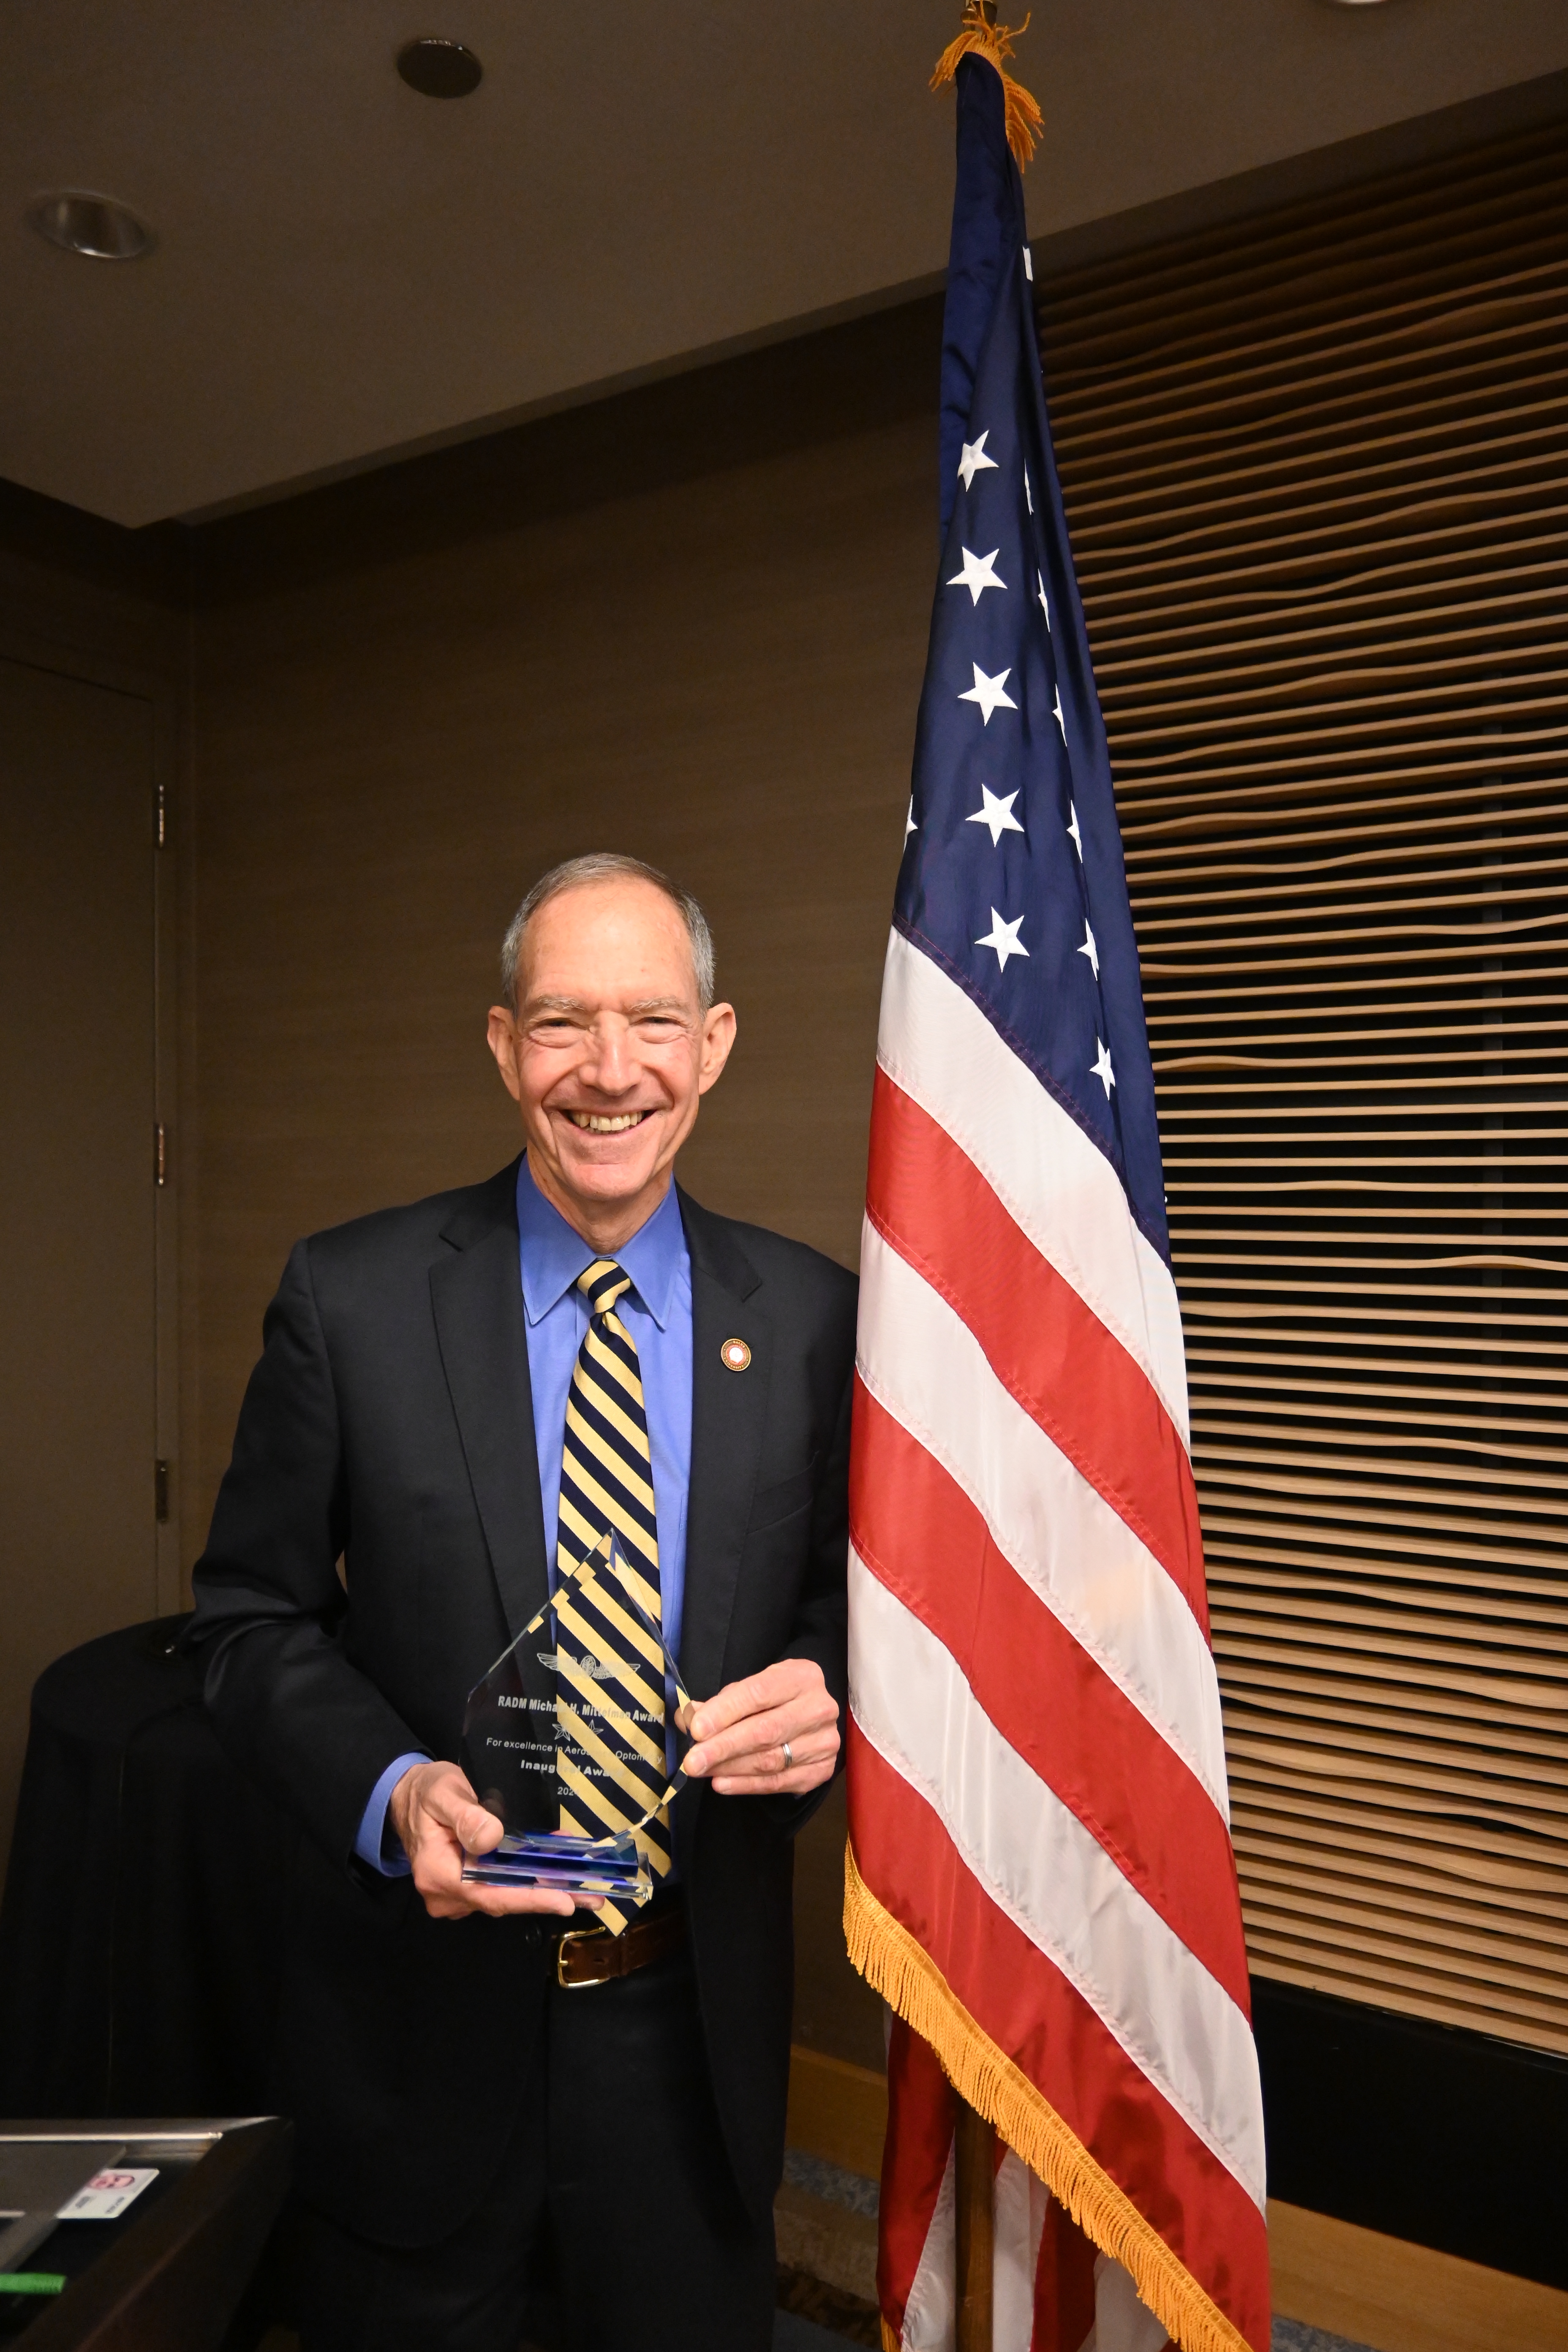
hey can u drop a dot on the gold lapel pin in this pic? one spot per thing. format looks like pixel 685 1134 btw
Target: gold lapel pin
pixel 734 1355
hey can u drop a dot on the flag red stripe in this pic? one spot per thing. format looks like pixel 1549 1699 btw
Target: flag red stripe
pixel 1046 1346
pixel 1036 2017
pixel 920 1535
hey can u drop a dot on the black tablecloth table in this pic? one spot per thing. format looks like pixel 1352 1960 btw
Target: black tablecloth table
pixel 141 1930
pixel 169 2275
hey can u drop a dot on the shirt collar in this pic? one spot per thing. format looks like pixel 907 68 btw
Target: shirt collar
pixel 553 1254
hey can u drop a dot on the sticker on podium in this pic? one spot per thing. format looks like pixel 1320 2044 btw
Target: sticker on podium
pixel 107 2195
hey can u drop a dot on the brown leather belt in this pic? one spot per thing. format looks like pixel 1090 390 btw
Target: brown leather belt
pixel 592 1955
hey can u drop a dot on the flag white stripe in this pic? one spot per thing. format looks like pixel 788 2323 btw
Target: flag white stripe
pixel 924 1366
pixel 1058 1187
pixel 1036 1862
pixel 931 2307
pixel 1122 2322
pixel 1018 2203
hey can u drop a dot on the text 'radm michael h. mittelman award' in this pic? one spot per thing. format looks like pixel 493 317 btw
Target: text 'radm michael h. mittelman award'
pixel 575 1739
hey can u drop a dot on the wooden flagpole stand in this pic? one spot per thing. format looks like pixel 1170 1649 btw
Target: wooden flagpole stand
pixel 974 2173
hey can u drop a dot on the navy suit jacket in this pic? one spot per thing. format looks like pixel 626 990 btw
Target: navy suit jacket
pixel 389 1424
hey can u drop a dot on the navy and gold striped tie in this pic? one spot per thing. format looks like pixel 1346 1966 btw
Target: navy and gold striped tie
pixel 606 1654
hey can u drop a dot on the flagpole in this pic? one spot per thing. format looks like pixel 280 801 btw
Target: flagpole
pixel 974 2167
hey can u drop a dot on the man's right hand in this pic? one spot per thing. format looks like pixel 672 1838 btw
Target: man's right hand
pixel 437 1817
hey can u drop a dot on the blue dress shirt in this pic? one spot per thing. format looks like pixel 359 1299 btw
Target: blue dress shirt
pixel 657 1311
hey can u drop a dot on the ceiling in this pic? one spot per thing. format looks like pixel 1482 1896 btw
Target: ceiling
pixel 346 271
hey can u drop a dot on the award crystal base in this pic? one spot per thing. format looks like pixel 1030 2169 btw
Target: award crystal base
pixel 584 1707
pixel 570 1865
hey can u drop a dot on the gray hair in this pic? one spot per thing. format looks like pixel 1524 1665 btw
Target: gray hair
pixel 609 866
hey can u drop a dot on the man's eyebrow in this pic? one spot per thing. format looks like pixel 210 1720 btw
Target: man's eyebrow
pixel 535 1005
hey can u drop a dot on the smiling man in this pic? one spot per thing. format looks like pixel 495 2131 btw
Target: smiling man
pixel 490 2089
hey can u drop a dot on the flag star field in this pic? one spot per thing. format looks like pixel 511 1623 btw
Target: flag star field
pixel 1011 775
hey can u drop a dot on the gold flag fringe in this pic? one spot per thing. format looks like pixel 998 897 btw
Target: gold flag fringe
pixel 894 1965
pixel 982 36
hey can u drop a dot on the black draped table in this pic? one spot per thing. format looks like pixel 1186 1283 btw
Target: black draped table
pixel 141 1930
pixel 169 2272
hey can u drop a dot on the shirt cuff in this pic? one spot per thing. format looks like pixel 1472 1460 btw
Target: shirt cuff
pixel 377 1844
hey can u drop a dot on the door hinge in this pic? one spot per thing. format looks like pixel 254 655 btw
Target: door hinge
pixel 160 1154
pixel 162 817
pixel 161 1492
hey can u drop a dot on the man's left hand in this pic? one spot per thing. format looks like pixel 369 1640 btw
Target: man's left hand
pixel 742 1733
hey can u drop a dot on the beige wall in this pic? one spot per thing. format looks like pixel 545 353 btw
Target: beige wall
pixel 76 587
pixel 690 623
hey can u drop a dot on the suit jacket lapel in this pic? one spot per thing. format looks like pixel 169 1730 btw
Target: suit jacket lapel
pixel 476 1292
pixel 728 1410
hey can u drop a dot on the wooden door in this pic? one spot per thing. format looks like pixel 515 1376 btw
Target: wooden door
pixel 78 1303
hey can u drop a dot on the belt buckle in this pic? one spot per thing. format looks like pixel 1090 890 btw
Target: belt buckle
pixel 576 1935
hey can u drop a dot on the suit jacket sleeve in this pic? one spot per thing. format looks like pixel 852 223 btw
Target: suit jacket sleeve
pixel 290 1706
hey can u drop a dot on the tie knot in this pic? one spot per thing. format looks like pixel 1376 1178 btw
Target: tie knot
pixel 602 1284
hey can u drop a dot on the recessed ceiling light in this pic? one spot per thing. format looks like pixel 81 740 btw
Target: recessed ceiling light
pixel 94 225
pixel 439 68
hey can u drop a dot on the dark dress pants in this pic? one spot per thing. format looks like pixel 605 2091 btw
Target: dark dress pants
pixel 615 2182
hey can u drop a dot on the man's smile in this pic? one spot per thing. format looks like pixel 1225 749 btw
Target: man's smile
pixel 595 1122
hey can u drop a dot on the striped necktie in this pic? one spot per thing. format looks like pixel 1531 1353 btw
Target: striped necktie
pixel 606 1487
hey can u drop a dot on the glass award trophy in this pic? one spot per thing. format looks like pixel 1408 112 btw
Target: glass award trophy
pixel 580 1719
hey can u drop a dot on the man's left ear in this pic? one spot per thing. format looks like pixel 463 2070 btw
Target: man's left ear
pixel 718 1036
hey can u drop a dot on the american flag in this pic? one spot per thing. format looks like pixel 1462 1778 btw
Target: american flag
pixel 1040 1877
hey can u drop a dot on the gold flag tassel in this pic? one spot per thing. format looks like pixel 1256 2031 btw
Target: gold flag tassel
pixel 910 1981
pixel 982 36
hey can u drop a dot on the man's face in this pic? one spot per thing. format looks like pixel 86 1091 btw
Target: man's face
pixel 608 1054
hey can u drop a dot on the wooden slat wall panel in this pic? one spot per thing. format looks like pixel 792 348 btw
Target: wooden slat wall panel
pixel 1316 472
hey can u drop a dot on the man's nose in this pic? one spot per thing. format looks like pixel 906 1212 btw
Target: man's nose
pixel 611 1065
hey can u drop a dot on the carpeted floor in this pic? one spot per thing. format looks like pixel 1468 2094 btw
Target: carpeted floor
pixel 826 2225
pixel 800 2330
